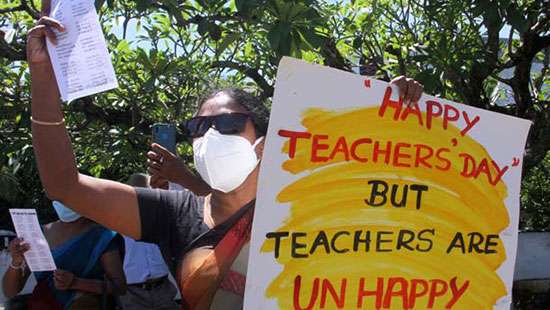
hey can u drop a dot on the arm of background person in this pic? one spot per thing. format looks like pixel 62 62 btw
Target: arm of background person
pixel 14 280
pixel 116 280
pixel 111 204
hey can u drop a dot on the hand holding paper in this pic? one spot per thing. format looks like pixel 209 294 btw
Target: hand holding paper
pixel 79 55
pixel 17 248
pixel 39 256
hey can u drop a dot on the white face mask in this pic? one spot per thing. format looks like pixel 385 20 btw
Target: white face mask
pixel 224 161
pixel 65 214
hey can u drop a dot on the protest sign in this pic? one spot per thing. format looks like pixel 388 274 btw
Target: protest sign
pixel 366 203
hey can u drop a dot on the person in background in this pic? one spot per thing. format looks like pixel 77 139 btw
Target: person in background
pixel 146 272
pixel 89 261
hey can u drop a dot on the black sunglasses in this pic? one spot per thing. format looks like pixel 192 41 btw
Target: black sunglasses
pixel 227 124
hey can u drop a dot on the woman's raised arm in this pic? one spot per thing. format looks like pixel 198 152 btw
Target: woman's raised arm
pixel 111 204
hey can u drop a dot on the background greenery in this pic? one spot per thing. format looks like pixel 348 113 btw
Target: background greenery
pixel 168 52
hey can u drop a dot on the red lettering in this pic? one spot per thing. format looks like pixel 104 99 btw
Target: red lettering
pixel 378 293
pixel 414 293
pixel 377 151
pixel 484 167
pixel 434 292
pixel 466 171
pixel 469 123
pixel 402 292
pixel 457 292
pixel 316 146
pixel 312 298
pixel 451 114
pixel 339 300
pixel 387 102
pixel 500 172
pixel 341 147
pixel 294 136
pixel 353 149
pixel 447 162
pixel 421 159
pixel 412 109
pixel 398 155
pixel 431 113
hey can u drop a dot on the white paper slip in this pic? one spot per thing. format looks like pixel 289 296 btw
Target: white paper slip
pixel 39 257
pixel 80 60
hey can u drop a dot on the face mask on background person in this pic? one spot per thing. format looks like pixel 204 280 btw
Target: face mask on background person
pixel 224 161
pixel 65 214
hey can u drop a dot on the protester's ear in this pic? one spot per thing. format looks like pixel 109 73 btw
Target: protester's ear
pixel 260 148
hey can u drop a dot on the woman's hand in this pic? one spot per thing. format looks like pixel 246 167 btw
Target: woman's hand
pixel 37 53
pixel 409 90
pixel 157 181
pixel 163 164
pixel 17 248
pixel 63 280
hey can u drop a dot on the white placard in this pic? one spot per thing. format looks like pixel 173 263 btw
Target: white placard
pixel 366 203
pixel 80 60
pixel 39 257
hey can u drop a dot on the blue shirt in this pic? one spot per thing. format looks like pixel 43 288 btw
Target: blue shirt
pixel 143 261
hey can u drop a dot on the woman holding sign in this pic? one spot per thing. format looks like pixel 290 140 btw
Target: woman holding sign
pixel 206 237
pixel 89 261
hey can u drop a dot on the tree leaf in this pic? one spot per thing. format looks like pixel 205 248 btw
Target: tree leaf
pixel 227 40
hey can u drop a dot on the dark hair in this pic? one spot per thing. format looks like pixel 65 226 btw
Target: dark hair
pixel 138 180
pixel 259 113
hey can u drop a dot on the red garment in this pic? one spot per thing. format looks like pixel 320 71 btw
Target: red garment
pixel 199 288
pixel 42 298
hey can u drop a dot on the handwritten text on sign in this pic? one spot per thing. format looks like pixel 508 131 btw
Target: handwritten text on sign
pixel 369 203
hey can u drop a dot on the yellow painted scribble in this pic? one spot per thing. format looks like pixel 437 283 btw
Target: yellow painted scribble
pixel 331 197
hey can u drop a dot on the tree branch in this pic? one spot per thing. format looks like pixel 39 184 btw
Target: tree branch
pixel 6 51
pixel 18 8
pixel 32 12
pixel 267 89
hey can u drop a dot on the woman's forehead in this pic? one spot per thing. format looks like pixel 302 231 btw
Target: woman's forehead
pixel 219 104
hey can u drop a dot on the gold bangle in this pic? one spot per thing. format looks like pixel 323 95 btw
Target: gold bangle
pixel 48 123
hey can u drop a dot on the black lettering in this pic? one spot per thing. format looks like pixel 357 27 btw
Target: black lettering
pixel 458 242
pixel 379 241
pixel 427 240
pixel 404 238
pixel 476 239
pixel 419 189
pixel 376 192
pixel 357 240
pixel 403 200
pixel 278 236
pixel 490 243
pixel 333 241
pixel 321 239
pixel 295 245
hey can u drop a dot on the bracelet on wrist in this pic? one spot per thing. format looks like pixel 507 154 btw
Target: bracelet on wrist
pixel 19 266
pixel 22 266
pixel 48 123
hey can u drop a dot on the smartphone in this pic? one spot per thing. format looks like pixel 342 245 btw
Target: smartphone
pixel 165 135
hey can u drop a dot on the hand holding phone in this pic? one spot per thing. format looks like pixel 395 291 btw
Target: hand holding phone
pixel 165 135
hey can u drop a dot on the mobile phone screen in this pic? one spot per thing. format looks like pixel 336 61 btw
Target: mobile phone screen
pixel 165 135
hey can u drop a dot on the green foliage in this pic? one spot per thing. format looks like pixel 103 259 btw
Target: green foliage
pixel 167 53
pixel 535 197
